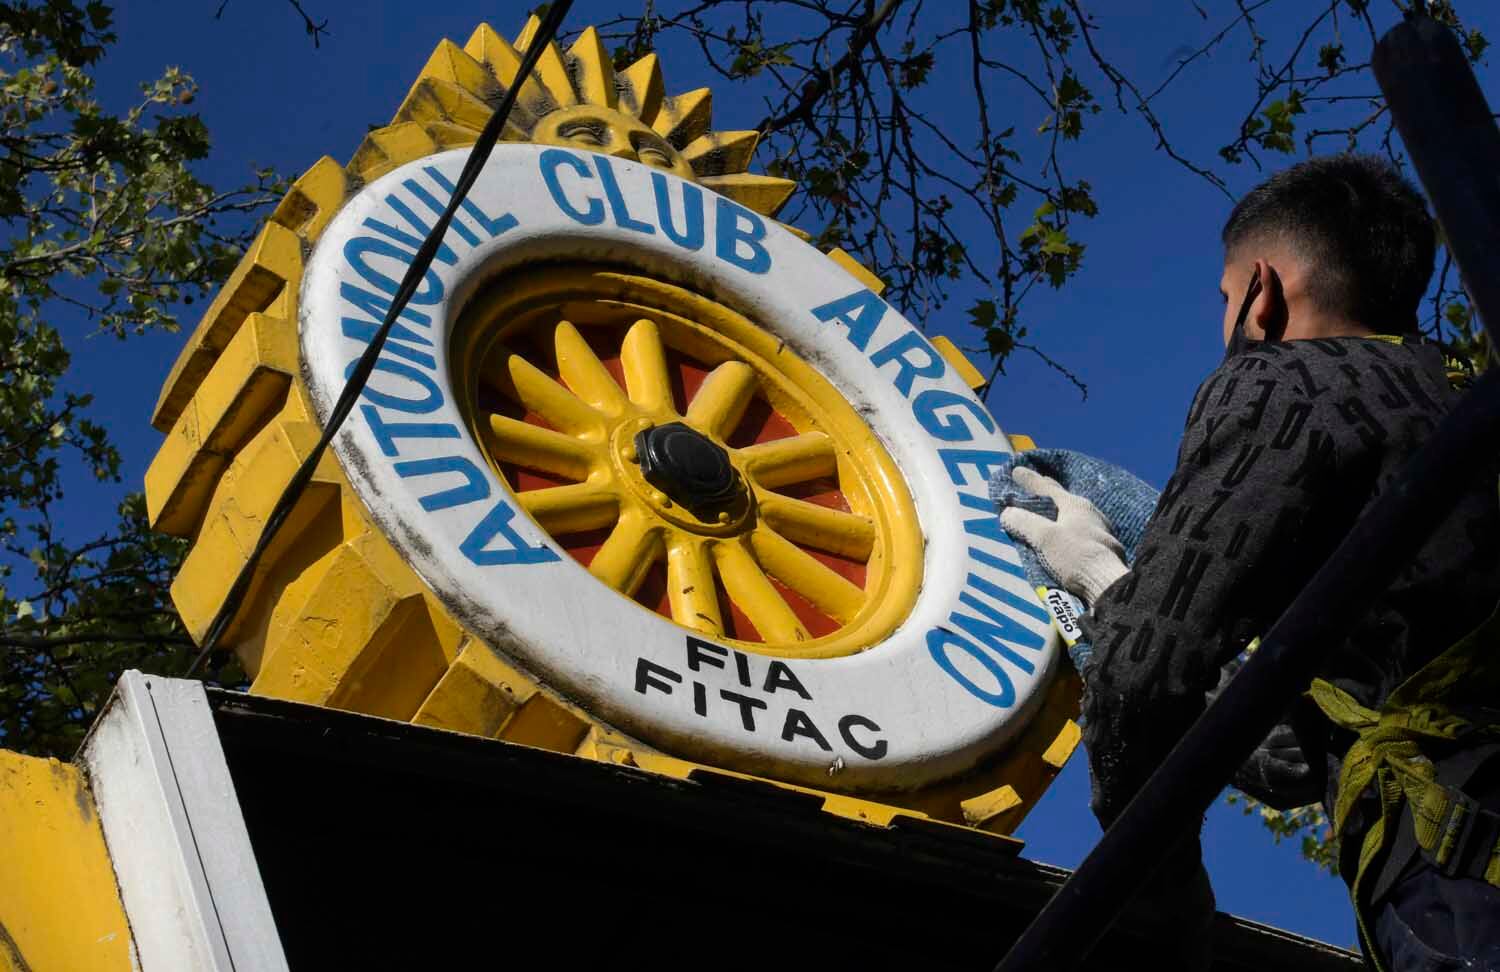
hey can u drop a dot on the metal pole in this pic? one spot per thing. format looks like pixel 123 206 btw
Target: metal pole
pixel 1451 136
pixel 1453 143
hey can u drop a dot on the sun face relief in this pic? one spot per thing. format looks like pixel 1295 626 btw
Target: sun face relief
pixel 593 128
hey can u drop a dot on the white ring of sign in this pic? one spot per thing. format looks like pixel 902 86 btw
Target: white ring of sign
pixel 952 684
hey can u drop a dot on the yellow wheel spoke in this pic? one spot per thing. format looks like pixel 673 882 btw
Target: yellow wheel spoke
pixel 538 392
pixel 750 589
pixel 829 591
pixel 537 448
pixel 570 509
pixel 645 363
pixel 834 531
pixel 628 555
pixel 584 373
pixel 691 586
pixel 782 462
pixel 722 398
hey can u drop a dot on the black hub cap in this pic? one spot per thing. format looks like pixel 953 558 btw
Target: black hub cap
pixel 686 465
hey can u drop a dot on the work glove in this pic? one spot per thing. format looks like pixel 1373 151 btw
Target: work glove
pixel 1124 499
pixel 1279 773
pixel 1077 548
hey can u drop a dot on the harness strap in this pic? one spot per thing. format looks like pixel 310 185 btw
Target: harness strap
pixel 1422 808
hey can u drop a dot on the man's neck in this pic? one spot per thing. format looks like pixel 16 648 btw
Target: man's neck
pixel 1321 326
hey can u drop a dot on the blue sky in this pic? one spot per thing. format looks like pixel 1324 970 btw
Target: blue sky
pixel 1140 324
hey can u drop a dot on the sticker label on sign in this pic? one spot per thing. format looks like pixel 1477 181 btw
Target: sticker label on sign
pixel 1064 618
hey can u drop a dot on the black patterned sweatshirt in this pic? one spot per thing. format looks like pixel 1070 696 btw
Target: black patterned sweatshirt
pixel 1285 446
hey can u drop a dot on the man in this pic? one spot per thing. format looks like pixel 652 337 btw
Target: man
pixel 1325 391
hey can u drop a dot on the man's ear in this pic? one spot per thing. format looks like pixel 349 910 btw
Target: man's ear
pixel 1268 315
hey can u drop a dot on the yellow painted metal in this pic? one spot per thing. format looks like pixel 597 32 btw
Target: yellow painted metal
pixel 761 535
pixel 249 379
pixel 828 590
pixel 959 361
pixel 985 807
pixel 335 617
pixel 857 270
pixel 58 904
pixel 795 459
pixel 258 284
pixel 1021 443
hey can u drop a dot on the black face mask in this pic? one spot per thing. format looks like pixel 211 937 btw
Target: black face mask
pixel 1238 343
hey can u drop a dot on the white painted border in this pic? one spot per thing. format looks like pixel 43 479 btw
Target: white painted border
pixel 182 857
pixel 551 617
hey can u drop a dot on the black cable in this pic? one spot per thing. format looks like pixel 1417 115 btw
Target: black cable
pixel 415 274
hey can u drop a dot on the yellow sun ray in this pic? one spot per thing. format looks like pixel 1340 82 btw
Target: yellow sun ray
pixel 550 66
pixel 691 588
pixel 684 117
pixel 762 193
pixel 752 592
pixel 833 531
pixel 722 398
pixel 458 87
pixel 719 152
pixel 572 508
pixel 795 459
pixel 537 448
pixel 593 70
pixel 645 363
pixel 641 88
pixel 504 63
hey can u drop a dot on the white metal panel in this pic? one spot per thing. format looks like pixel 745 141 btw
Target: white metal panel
pixel 182 857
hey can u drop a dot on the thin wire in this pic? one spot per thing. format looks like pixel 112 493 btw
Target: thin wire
pixel 415 274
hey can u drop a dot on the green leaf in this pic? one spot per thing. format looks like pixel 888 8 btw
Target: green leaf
pixel 983 314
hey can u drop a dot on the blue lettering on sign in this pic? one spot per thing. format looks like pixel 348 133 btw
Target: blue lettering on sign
pixel 984 462
pixel 950 427
pixel 376 306
pixel 360 248
pixel 738 230
pixel 493 225
pixel 364 332
pixel 437 208
pixel 691 238
pixel 444 253
pixel 493 541
pixel 901 351
pixel 386 433
pixel 617 207
pixel 996 639
pixel 433 395
pixel 989 623
pixel 550 161
pixel 496 524
pixel 860 312
pixel 985 527
pixel 475 486
pixel 739 234
pixel 940 640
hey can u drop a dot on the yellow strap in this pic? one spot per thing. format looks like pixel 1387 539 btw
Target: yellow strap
pixel 1386 757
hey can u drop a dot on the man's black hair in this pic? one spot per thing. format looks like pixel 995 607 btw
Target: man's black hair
pixel 1361 227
